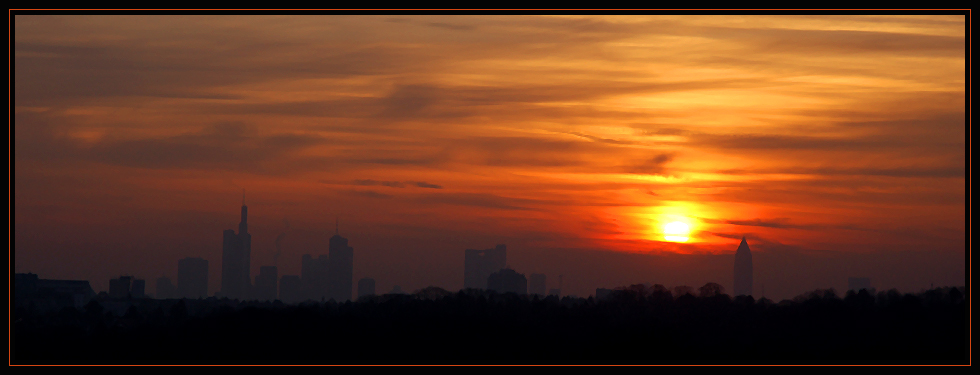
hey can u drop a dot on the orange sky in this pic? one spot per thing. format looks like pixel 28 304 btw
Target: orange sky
pixel 835 144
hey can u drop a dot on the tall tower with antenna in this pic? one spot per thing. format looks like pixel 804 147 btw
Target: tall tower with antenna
pixel 236 255
pixel 340 267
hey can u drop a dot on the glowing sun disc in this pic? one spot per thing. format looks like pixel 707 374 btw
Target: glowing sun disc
pixel 676 231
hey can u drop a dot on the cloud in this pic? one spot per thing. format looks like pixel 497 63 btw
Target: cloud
pixel 784 223
pixel 230 147
pixel 408 101
pixel 451 26
pixel 655 165
pixel 368 194
pixel 483 200
pixel 770 142
pixel 524 126
pixel 912 172
pixel 227 146
pixel 788 41
pixel 423 184
pixel 781 223
pixel 396 184
pixel 193 64
pixel 605 140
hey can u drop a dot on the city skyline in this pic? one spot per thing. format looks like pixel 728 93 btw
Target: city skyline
pixel 483 269
pixel 611 150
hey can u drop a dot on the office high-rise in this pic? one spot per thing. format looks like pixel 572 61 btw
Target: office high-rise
pixel 165 288
pixel 290 289
pixel 236 260
pixel 313 278
pixel 192 278
pixel 365 287
pixel 479 264
pixel 138 290
pixel 743 270
pixel 265 284
pixel 536 284
pixel 121 287
pixel 507 281
pixel 340 270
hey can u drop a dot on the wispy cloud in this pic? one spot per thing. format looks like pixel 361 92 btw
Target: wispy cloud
pixel 841 132
pixel 397 184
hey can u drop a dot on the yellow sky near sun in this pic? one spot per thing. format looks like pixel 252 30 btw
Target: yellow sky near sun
pixel 590 128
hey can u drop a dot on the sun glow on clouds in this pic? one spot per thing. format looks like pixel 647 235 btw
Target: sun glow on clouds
pixel 599 128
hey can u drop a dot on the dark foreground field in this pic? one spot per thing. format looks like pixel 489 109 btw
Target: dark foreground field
pixel 635 325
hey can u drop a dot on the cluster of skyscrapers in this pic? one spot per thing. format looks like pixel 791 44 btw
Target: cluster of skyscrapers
pixel 329 276
pixel 487 269
pixel 192 280
pixel 326 277
pixel 480 264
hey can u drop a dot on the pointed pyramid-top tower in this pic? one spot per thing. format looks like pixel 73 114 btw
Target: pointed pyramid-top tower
pixel 743 269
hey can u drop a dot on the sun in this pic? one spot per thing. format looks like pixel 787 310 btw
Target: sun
pixel 676 231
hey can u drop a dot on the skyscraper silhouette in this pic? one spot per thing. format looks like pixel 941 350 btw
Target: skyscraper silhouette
pixel 266 283
pixel 536 284
pixel 340 270
pixel 313 278
pixel 479 264
pixel 192 278
pixel 290 289
pixel 743 269
pixel 236 257
pixel 138 290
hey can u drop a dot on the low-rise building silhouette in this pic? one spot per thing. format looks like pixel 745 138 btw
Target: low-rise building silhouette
pixel 165 288
pixel 602 293
pixel 507 281
pixel 50 295
pixel 365 287
pixel 120 288
pixel 127 287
